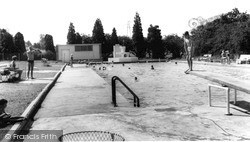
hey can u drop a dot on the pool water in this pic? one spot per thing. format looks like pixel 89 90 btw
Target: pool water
pixel 167 84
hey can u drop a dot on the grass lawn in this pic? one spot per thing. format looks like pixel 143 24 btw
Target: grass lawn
pixel 20 95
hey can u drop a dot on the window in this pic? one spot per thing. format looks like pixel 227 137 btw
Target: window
pixel 83 48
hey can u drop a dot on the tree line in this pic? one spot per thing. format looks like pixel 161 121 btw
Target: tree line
pixel 231 31
pixel 10 45
pixel 152 46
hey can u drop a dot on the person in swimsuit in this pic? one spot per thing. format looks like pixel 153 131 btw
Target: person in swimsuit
pixel 188 49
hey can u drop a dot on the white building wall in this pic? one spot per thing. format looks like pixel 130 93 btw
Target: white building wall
pixel 77 55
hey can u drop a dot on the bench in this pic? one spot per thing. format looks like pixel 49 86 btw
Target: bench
pixel 244 58
pixel 226 84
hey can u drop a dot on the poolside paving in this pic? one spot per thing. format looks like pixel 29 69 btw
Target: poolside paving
pixel 81 101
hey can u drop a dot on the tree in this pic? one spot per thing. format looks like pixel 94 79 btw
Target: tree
pixel 42 41
pixel 49 44
pixel 128 42
pixel 86 39
pixel 173 44
pixel 114 38
pixel 71 37
pixel 49 47
pixel 155 42
pixel 138 39
pixel 98 32
pixel 19 42
pixel 6 42
pixel 78 39
pixel 28 43
pixel 1 46
pixel 229 32
pixel 99 37
pixel 37 46
pixel 108 44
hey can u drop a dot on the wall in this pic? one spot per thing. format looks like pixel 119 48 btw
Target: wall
pixel 95 54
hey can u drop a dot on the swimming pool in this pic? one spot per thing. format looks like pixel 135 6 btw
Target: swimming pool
pixel 167 84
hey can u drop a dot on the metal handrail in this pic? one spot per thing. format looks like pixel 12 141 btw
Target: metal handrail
pixel 136 99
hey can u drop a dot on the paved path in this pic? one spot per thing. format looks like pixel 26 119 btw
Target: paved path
pixel 78 91
pixel 81 101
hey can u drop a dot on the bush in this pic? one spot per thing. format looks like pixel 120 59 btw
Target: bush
pixel 37 55
pixel 49 55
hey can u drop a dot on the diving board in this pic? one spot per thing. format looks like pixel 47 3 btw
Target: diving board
pixel 226 83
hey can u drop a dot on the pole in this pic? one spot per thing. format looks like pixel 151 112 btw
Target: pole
pixel 228 101
pixel 209 95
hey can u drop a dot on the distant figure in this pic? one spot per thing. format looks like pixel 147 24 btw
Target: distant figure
pixel 223 57
pixel 188 49
pixel 5 118
pixel 100 68
pixel 129 68
pixel 71 60
pixel 152 67
pixel 176 63
pixel 31 57
pixel 227 57
pixel 123 64
pixel 135 78
pixel 104 68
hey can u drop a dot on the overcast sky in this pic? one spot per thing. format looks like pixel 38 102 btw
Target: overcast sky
pixel 35 17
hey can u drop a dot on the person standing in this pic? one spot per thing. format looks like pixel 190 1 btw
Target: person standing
pixel 31 56
pixel 223 57
pixel 188 49
pixel 227 57
pixel 71 60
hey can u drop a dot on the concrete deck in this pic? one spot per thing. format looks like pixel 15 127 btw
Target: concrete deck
pixel 81 101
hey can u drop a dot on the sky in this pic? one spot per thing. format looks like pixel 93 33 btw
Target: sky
pixel 35 17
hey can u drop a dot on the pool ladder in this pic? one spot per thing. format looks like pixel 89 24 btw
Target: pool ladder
pixel 136 99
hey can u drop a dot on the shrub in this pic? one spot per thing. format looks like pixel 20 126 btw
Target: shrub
pixel 49 55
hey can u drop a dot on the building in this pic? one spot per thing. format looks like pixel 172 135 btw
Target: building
pixel 119 55
pixel 79 52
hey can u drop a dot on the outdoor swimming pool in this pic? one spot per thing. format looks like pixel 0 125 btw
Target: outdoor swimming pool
pixel 167 84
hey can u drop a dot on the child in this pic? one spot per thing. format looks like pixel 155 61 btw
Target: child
pixel 5 118
pixel 16 72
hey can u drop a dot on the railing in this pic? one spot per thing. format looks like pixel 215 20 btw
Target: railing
pixel 136 99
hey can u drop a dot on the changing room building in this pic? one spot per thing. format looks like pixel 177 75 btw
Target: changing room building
pixel 79 51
